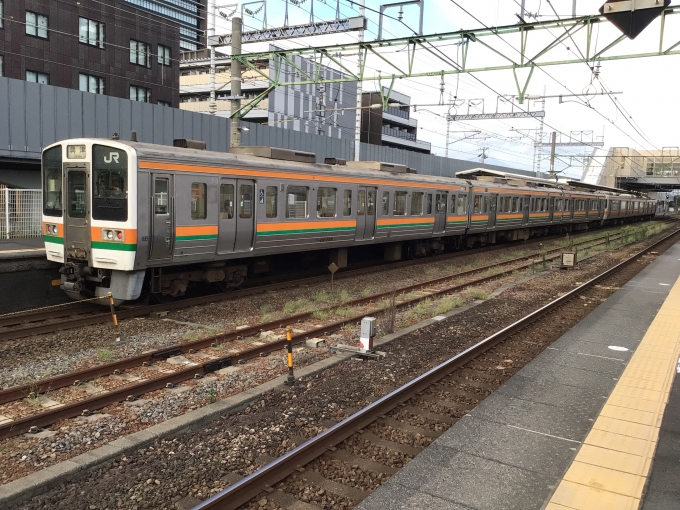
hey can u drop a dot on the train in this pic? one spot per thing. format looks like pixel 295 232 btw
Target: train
pixel 133 219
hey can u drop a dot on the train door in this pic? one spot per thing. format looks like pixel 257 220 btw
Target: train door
pixel 366 200
pixel 236 216
pixel 161 216
pixel 77 232
pixel 441 200
pixel 493 204
pixel 551 208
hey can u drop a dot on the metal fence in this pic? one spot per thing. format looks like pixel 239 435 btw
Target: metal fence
pixel 20 213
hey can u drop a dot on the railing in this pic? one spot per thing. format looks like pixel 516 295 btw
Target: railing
pixel 398 133
pixel 398 112
pixel 20 213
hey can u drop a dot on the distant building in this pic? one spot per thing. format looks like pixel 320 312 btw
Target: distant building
pixel 112 48
pixel 310 109
pixel 393 127
pixel 657 170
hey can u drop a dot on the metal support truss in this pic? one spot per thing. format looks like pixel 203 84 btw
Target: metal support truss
pixel 509 115
pixel 294 31
pixel 572 144
pixel 536 44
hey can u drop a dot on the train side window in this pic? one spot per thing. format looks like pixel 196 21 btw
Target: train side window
pixel 160 196
pixel 461 208
pixel 400 203
pixel 245 201
pixel 429 203
pixel 297 198
pixel 370 202
pixel 501 205
pixel 477 205
pixel 199 191
pixel 514 204
pixel 227 201
pixel 325 203
pixel 386 203
pixel 347 203
pixel 452 207
pixel 416 203
pixel 271 196
pixel 361 206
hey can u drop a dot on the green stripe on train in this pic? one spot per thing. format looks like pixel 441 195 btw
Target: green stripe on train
pixel 306 231
pixel 53 239
pixel 99 245
pixel 205 237
pixel 399 225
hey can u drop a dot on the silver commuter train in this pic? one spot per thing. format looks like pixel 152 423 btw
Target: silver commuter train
pixel 123 217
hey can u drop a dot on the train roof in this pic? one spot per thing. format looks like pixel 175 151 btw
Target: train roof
pixel 199 157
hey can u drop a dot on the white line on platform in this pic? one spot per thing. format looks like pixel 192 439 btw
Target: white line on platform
pixel 544 434
pixel 596 356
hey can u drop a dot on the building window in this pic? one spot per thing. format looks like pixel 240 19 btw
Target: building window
pixel 42 78
pixel 140 53
pixel 140 94
pixel 164 103
pixel 199 191
pixel 325 203
pixel 296 204
pixel 91 32
pixel 163 55
pixel 89 83
pixel 36 25
pixel 271 207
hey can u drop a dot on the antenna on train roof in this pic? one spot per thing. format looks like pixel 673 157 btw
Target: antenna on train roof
pixel 115 136
pixel 133 136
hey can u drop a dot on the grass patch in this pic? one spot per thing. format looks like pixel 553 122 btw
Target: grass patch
pixel 344 296
pixel 34 400
pixel 477 294
pixel 447 304
pixel 295 307
pixel 105 354
pixel 321 314
pixel 270 317
pixel 265 309
pixel 368 291
pixel 192 336
pixel 346 311
pixel 421 310
pixel 322 297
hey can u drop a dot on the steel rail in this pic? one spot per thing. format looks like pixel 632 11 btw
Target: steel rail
pixel 62 381
pixel 137 311
pixel 249 487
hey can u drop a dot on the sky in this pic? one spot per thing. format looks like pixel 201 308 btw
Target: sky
pixel 643 116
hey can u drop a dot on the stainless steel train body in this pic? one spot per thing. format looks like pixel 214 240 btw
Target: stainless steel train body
pixel 125 216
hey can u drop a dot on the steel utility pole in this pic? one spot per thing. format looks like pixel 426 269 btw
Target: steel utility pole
pixel 357 127
pixel 552 154
pixel 212 106
pixel 235 121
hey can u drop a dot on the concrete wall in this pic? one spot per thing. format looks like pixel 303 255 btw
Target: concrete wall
pixel 33 116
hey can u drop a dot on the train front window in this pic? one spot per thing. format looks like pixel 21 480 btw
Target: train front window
pixel 109 184
pixel 52 182
pixel 77 206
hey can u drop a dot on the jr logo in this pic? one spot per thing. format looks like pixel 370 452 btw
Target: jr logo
pixel 113 156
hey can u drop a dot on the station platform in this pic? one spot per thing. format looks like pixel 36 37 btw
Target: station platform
pixel 27 276
pixel 31 247
pixel 582 426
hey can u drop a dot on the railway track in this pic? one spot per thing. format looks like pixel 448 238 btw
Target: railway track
pixel 76 315
pixel 194 364
pixel 421 408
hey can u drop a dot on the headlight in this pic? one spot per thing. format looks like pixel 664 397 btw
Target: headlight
pixel 54 229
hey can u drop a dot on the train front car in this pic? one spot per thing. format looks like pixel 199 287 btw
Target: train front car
pixel 90 217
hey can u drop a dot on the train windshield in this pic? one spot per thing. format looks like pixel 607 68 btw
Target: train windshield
pixel 109 183
pixel 52 182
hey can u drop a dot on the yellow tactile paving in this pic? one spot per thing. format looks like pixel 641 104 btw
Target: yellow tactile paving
pixel 577 496
pixel 611 467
